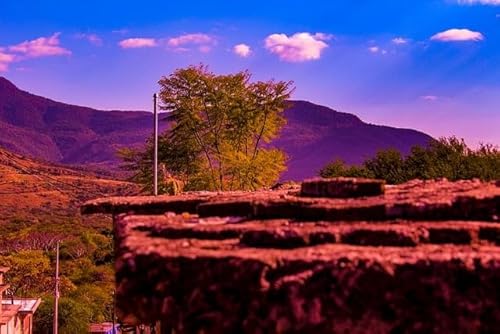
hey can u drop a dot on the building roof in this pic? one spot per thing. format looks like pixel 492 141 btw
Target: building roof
pixel 26 305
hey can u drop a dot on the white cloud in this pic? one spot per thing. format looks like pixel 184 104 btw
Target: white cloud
pixel 204 42
pixel 5 57
pixel 458 35
pixel 322 36
pixel 190 39
pixel 429 97
pixel 242 50
pixel 400 40
pixel 377 49
pixel 134 43
pixel 480 2
pixel 299 47
pixel 91 38
pixel 40 47
pixel 5 60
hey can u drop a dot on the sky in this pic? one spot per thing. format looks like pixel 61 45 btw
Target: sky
pixel 431 65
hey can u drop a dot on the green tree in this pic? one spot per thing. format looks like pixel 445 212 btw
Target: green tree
pixel 74 316
pixel 447 158
pixel 29 272
pixel 387 165
pixel 486 162
pixel 338 168
pixel 221 127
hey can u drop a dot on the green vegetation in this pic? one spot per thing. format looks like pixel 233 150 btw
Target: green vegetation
pixel 220 131
pixel 86 277
pixel 447 158
pixel 39 206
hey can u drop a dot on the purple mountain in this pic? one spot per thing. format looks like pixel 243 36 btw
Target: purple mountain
pixel 67 134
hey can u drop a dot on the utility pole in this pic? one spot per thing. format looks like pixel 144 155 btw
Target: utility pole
pixel 155 135
pixel 56 294
pixel 114 316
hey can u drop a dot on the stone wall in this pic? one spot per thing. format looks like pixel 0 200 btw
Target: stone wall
pixel 341 256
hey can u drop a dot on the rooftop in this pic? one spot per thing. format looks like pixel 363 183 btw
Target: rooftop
pixel 26 305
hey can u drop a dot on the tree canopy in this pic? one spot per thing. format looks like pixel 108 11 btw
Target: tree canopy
pixel 447 158
pixel 220 131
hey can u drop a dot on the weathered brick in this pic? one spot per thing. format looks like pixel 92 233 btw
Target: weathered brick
pixel 422 257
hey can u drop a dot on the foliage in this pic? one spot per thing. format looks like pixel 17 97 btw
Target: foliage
pixel 338 168
pixel 73 316
pixel 447 158
pixel 86 270
pixel 34 220
pixel 387 165
pixel 28 272
pixel 221 127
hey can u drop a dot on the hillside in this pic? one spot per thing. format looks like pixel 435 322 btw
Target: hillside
pixel 39 206
pixel 32 190
pixel 316 135
pixel 38 127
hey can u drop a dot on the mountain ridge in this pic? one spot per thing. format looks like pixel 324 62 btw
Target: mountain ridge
pixel 58 132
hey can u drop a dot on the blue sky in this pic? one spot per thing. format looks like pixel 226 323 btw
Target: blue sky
pixel 432 65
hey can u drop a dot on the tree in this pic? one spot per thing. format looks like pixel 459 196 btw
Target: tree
pixel 387 165
pixel 338 168
pixel 74 316
pixel 29 272
pixel 220 132
pixel 447 158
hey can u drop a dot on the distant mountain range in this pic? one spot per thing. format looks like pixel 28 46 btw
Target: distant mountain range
pixel 66 134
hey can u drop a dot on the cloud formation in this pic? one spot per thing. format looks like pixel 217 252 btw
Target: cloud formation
pixel 190 39
pixel 377 49
pixel 204 42
pixel 400 40
pixel 91 38
pixel 5 60
pixel 458 35
pixel 134 43
pixel 480 2
pixel 242 50
pixel 299 47
pixel 40 47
